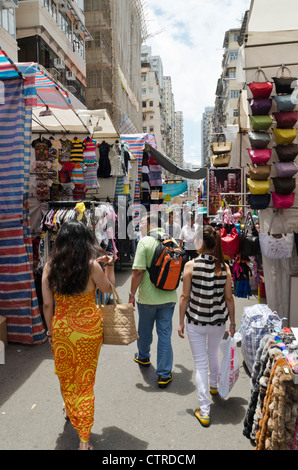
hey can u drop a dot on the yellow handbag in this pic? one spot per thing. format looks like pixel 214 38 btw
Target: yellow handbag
pixel 284 136
pixel 221 161
pixel 258 187
pixel 222 146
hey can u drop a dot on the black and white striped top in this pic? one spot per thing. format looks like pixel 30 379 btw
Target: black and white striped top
pixel 207 298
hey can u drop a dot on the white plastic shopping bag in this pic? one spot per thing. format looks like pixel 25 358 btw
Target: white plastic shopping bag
pixel 229 368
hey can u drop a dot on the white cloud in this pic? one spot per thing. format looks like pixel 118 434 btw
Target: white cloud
pixel 190 46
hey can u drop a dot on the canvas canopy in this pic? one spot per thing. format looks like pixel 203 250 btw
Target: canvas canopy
pixel 99 123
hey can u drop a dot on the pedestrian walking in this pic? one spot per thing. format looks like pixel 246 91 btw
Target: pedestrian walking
pixel 69 282
pixel 155 306
pixel 172 228
pixel 187 236
pixel 207 302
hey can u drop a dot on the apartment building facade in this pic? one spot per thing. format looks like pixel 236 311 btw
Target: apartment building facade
pixel 206 136
pixel 179 139
pixel 8 40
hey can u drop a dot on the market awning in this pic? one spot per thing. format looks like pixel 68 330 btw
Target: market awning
pixel 99 123
pixel 173 168
pixel 174 189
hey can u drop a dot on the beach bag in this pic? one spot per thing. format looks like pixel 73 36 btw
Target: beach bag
pixel 283 201
pixel 221 161
pixel 286 169
pixel 249 240
pixel 259 172
pixel 287 153
pixel 229 367
pixel 284 85
pixel 286 120
pixel 167 263
pixel 284 185
pixel 256 322
pixel 223 146
pixel 119 326
pixel 259 140
pixel 230 242
pixel 261 106
pixel 261 89
pixel 285 136
pixel 261 123
pixel 284 103
pixel 260 156
pixel 258 187
pixel 258 201
pixel 277 246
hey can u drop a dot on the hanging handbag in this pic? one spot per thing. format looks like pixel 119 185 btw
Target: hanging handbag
pixel 286 120
pixel 261 123
pixel 230 242
pixel 286 169
pixel 259 140
pixel 260 156
pixel 287 153
pixel 119 327
pixel 249 241
pixel 283 201
pixel 258 187
pixel 276 246
pixel 258 201
pixel 284 103
pixel 284 85
pixel 221 161
pixel 285 136
pixel 259 172
pixel 261 106
pixel 284 185
pixel 261 89
pixel 221 147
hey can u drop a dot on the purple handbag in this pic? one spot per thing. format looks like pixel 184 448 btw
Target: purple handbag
pixel 286 169
pixel 260 106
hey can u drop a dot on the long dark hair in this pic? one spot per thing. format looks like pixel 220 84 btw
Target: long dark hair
pixel 69 261
pixel 212 242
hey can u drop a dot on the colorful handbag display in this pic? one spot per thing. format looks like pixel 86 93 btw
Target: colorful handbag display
pixel 286 169
pixel 284 103
pixel 260 156
pixel 285 136
pixel 258 201
pixel 258 187
pixel 259 172
pixel 223 146
pixel 277 246
pixel 261 106
pixel 261 123
pixel 261 89
pixel 221 161
pixel 283 201
pixel 230 242
pixel 287 153
pixel 284 85
pixel 284 185
pixel 286 120
pixel 259 140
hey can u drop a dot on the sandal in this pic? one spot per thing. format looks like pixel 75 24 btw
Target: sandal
pixel 204 419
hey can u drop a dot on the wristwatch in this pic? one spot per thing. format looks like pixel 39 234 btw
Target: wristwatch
pixel 131 295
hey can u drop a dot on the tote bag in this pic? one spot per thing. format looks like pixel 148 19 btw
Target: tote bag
pixel 222 146
pixel 259 172
pixel 258 187
pixel 284 185
pixel 261 89
pixel 260 156
pixel 249 240
pixel 119 327
pixel 261 106
pixel 285 136
pixel 258 201
pixel 259 140
pixel 286 169
pixel 284 103
pixel 283 201
pixel 229 367
pixel 287 153
pixel 278 246
pixel 284 84
pixel 286 120
pixel 261 123
pixel 230 242
pixel 221 161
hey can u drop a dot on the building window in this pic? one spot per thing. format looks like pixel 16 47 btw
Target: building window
pixel 150 90
pixel 235 113
pixel 151 129
pixel 233 56
pixel 232 73
pixel 143 91
pixel 144 104
pixel 151 116
pixel 144 130
pixel 151 103
pixel 234 93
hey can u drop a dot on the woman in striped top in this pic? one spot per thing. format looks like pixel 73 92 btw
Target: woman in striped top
pixel 206 302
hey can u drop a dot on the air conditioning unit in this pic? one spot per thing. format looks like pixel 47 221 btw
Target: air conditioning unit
pixel 59 63
pixel 9 3
pixel 63 6
pixel 70 76
pixel 77 28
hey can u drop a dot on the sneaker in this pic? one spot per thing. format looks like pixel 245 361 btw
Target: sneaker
pixel 163 382
pixel 143 362
pixel 214 390
pixel 204 419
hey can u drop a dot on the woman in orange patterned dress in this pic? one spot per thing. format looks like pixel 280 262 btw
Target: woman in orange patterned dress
pixel 69 282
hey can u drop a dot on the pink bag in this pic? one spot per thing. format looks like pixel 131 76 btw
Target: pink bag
pixel 260 156
pixel 230 242
pixel 283 201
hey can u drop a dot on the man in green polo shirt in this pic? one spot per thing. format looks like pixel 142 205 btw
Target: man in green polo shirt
pixel 155 306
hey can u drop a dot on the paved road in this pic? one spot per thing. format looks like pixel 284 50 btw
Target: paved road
pixel 132 413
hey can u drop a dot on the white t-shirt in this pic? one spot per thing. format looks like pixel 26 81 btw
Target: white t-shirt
pixel 187 235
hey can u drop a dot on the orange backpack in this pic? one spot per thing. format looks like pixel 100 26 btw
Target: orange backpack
pixel 167 263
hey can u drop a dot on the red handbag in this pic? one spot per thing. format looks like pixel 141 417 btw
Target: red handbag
pixel 287 119
pixel 230 242
pixel 261 89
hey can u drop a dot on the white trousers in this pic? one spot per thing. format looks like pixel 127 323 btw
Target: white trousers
pixel 205 345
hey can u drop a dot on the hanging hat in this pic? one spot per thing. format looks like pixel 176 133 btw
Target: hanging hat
pixel 80 209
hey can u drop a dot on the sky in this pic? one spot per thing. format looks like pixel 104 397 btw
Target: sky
pixel 188 36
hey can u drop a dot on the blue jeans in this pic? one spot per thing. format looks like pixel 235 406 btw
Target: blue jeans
pixel 162 315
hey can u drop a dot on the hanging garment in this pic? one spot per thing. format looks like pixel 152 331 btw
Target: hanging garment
pixel 90 176
pixel 104 165
pixel 41 147
pixel 89 152
pixel 79 192
pixel 77 173
pixel 116 160
pixel 65 172
pixel 64 153
pixel 77 149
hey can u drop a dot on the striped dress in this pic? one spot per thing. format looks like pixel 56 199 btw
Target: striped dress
pixel 207 298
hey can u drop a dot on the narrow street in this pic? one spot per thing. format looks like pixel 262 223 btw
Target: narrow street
pixel 132 413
